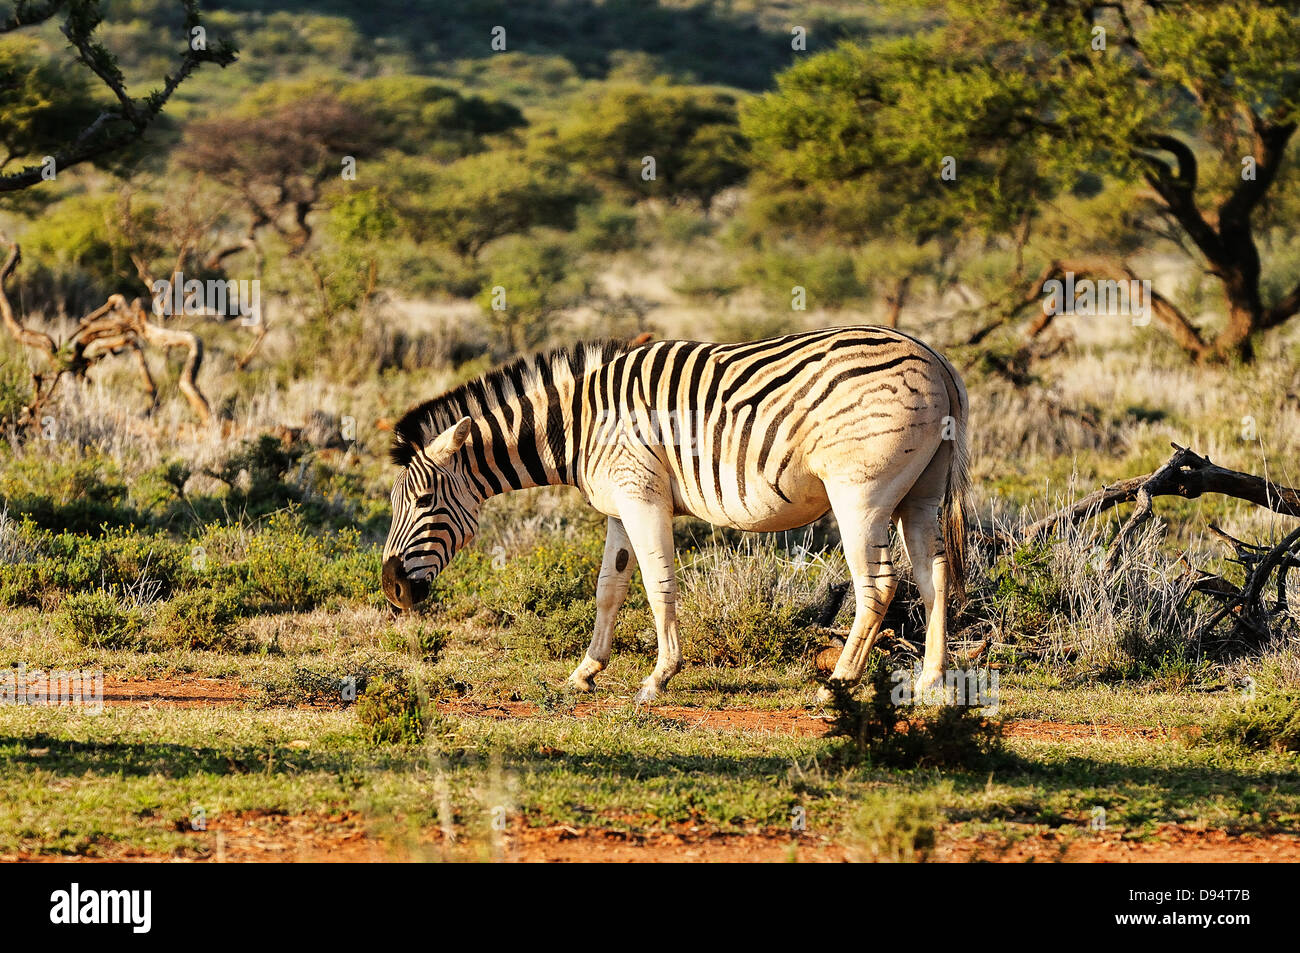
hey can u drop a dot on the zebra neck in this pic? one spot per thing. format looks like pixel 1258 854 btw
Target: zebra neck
pixel 521 444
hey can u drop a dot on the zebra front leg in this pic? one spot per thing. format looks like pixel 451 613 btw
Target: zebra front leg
pixel 611 590
pixel 650 528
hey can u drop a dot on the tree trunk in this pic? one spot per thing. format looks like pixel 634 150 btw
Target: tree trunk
pixel 895 302
pixel 1240 278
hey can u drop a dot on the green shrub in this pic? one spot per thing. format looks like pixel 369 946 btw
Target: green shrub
pixel 827 274
pixel 1027 593
pixel 77 495
pixel 1271 720
pixel 896 829
pixel 256 473
pixel 390 712
pixel 98 619
pixel 15 393
pixel 880 732
pixel 202 619
pixel 606 228
pixel 119 560
pixel 549 598
pixel 423 641
pixel 290 569
pixel 469 585
pixel 750 605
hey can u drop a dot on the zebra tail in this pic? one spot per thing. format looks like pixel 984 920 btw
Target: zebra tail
pixel 957 494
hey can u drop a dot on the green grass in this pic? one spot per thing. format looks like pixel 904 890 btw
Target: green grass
pixel 290 617
pixel 74 783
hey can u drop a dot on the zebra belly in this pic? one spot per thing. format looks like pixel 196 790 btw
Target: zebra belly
pixel 764 510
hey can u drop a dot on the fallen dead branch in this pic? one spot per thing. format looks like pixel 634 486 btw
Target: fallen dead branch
pixel 116 327
pixel 1185 474
pixel 1254 620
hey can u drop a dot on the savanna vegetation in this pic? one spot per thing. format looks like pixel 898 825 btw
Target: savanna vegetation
pixel 418 198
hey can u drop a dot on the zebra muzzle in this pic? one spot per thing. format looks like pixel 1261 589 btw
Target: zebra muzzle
pixel 402 591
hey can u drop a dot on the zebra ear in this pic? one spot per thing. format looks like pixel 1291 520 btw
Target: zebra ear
pixel 449 441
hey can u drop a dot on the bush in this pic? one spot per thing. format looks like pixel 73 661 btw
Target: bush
pixel 256 471
pixel 120 560
pixel 15 393
pixel 202 619
pixel 875 730
pixel 1134 620
pixel 390 712
pixel 827 275
pixel 467 586
pixel 549 598
pixel 896 829
pixel 293 570
pixel 549 593
pixel 98 619
pixel 749 606
pixel 1272 720
pixel 424 642
pixel 606 228
pixel 77 495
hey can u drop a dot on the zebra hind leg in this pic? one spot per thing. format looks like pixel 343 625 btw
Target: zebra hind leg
pixel 919 522
pixel 616 569
pixel 865 533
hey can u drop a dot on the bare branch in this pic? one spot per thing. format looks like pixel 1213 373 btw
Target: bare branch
pixel 131 118
pixel 1185 474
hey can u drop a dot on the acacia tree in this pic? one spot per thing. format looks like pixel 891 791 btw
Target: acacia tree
pixel 1198 103
pixel 279 163
pixel 861 143
pixel 70 125
pixel 691 134
pixel 44 111
pixel 474 201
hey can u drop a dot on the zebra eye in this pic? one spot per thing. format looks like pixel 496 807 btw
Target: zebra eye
pixel 424 501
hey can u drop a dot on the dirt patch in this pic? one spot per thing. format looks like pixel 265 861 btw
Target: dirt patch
pixel 1168 844
pixel 800 721
pixel 260 837
pixel 180 692
pixel 268 837
pixel 1038 729
pixel 683 845
pixel 784 721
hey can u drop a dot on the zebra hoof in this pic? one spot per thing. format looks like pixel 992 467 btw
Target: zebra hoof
pixel 584 685
pixel 580 679
pixel 930 689
pixel 824 697
pixel 646 695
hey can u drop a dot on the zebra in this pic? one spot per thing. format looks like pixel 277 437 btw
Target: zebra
pixel 866 422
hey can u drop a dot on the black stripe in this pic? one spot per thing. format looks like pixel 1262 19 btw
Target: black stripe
pixel 690 354
pixel 529 454
pixel 500 456
pixel 554 419
pixel 484 472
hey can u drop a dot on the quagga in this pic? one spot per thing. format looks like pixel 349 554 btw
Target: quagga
pixel 864 421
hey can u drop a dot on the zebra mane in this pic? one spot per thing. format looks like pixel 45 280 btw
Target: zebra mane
pixel 475 397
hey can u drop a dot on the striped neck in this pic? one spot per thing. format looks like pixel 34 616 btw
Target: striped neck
pixel 525 419
pixel 524 441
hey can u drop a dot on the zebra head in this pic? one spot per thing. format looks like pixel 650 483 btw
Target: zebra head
pixel 435 513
